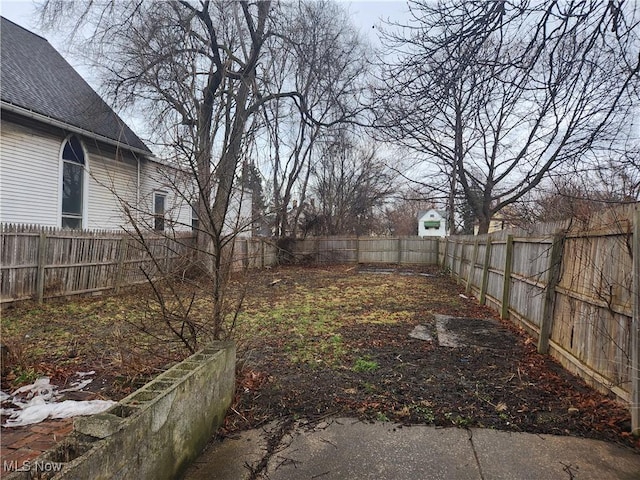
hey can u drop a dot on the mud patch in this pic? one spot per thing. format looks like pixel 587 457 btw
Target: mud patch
pixel 455 332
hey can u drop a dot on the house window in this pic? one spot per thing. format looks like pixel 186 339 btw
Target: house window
pixel 73 167
pixel 195 223
pixel 159 200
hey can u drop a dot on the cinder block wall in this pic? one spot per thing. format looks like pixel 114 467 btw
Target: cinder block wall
pixel 158 430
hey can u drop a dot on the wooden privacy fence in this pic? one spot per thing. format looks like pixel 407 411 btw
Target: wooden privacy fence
pixel 573 286
pixel 398 250
pixel 262 252
pixel 38 263
pixel 43 263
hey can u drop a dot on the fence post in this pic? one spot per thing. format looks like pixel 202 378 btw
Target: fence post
pixel 446 251
pixel 399 250
pixel 555 262
pixel 506 286
pixel 485 272
pixel 124 248
pixel 453 258
pixel 635 328
pixel 459 274
pixel 317 250
pixel 245 253
pixel 42 256
pixel 472 266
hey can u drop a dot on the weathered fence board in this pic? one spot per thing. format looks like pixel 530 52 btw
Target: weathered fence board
pixel 398 250
pixel 42 263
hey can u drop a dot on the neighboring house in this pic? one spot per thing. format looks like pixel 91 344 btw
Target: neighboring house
pixel 66 158
pixel 501 221
pixel 432 223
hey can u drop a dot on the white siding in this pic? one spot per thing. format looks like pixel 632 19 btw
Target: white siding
pixel 30 186
pixel 156 177
pixel 112 186
pixel 29 176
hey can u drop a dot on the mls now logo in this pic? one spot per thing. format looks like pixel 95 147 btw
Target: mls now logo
pixel 36 466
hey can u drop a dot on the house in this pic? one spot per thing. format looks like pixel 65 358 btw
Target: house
pixel 502 220
pixel 432 223
pixel 66 158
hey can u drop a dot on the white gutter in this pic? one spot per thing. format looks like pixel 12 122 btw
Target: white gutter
pixel 57 123
pixel 138 160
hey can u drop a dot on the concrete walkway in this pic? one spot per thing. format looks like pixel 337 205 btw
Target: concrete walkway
pixel 348 449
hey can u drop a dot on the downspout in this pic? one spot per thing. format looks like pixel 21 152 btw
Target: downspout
pixel 138 190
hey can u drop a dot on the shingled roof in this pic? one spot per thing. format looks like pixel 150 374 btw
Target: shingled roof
pixel 36 79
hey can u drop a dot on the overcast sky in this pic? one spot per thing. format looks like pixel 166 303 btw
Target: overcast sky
pixel 366 13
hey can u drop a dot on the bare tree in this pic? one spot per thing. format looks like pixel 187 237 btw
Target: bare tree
pixel 497 95
pixel 350 185
pixel 194 69
pixel 324 60
pixel 578 197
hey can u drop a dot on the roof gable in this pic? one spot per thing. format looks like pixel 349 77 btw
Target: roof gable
pixel 36 78
pixel 423 213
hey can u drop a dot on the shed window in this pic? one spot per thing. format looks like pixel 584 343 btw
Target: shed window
pixel 435 224
pixel 73 163
pixel 159 200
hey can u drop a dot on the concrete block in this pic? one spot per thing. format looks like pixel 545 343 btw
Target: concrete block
pixel 102 425
pixel 157 431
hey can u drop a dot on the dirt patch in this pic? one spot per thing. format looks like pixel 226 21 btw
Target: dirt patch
pixel 458 332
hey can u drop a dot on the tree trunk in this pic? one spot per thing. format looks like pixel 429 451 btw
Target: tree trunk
pixel 483 224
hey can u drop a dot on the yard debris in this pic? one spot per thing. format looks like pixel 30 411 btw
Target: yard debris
pixel 337 315
pixel 501 407
pixel 494 379
pixel 421 332
pixel 38 401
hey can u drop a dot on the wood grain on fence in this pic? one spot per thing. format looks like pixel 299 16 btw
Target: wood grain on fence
pixel 262 252
pixel 40 263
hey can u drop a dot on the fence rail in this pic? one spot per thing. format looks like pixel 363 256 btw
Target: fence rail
pixel 398 250
pixel 571 285
pixel 38 263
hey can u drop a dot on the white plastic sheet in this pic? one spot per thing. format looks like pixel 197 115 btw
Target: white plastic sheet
pixel 36 402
